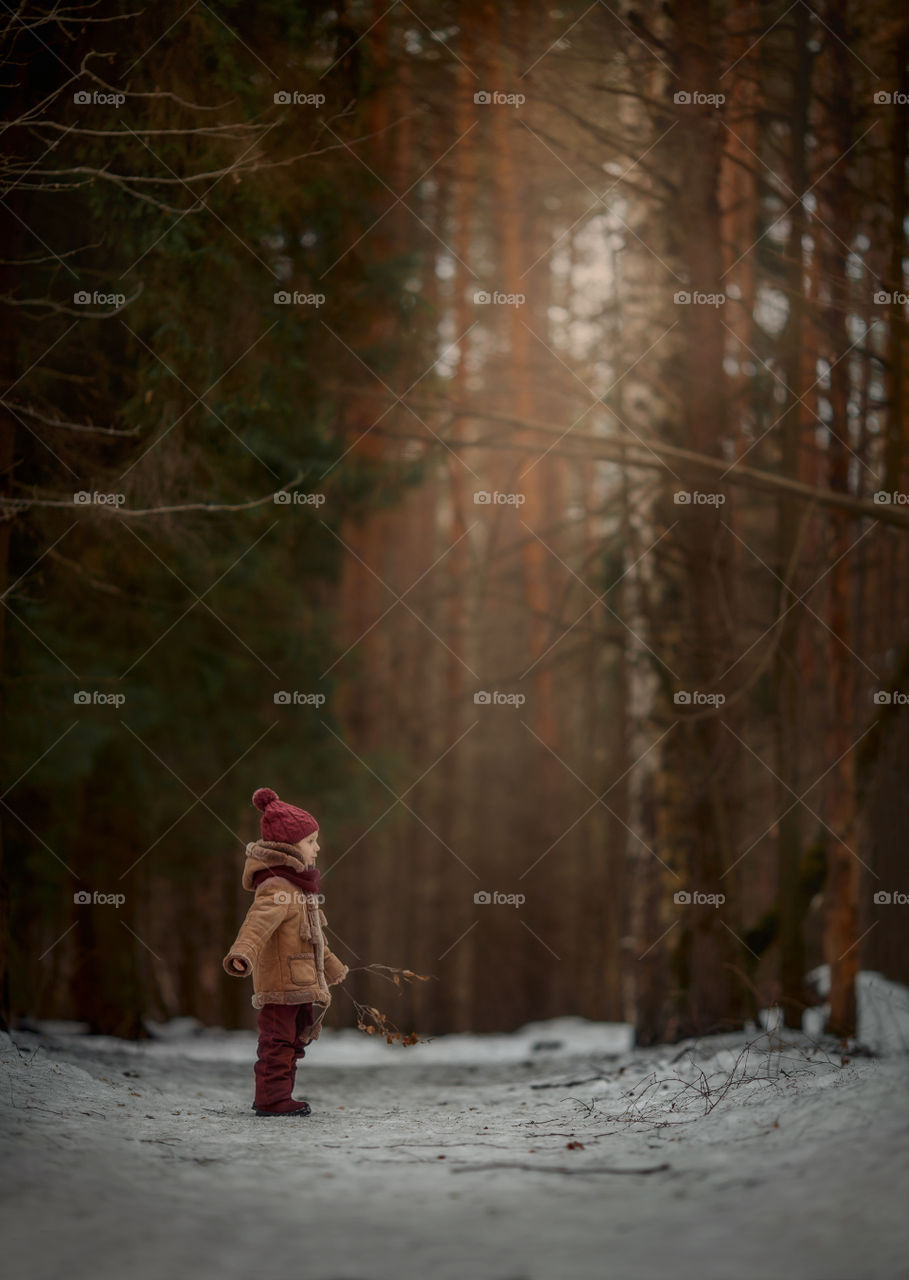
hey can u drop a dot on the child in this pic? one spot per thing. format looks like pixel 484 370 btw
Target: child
pixel 282 945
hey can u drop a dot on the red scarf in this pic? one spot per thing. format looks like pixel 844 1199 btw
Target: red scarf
pixel 307 880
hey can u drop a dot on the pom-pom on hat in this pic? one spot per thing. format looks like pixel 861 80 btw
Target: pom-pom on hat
pixel 282 822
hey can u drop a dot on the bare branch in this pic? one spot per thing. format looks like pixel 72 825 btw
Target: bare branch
pixel 107 510
pixel 81 313
pixel 634 452
pixel 87 427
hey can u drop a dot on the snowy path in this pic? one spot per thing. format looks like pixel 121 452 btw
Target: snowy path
pixel 452 1160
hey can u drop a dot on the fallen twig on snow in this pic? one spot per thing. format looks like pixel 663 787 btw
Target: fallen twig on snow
pixel 712 1089
pixel 543 1168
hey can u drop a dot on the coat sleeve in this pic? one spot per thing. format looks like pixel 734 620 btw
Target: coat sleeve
pixel 262 919
pixel 335 970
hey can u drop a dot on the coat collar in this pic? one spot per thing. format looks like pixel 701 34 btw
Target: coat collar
pixel 270 853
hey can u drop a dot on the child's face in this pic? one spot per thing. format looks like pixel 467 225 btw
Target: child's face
pixel 309 848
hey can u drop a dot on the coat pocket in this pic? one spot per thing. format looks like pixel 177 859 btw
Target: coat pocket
pixel 302 970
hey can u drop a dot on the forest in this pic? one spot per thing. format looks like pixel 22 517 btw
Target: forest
pixel 485 425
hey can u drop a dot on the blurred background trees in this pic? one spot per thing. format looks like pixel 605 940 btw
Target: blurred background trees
pixel 551 274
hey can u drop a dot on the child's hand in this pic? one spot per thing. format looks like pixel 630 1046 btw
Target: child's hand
pixel 238 965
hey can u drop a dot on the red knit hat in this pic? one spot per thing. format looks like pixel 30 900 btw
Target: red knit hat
pixel 282 822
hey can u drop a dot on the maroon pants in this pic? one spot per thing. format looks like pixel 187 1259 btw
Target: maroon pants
pixel 282 1030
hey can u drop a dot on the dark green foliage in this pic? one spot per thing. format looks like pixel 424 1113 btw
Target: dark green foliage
pixel 100 599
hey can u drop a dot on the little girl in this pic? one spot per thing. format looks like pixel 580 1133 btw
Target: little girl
pixel 282 945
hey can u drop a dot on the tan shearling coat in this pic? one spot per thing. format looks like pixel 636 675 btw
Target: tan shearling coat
pixel 281 941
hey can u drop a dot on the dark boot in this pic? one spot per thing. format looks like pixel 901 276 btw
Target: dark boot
pixel 286 1108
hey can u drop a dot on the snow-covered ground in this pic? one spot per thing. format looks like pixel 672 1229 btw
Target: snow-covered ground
pixel 558 1152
